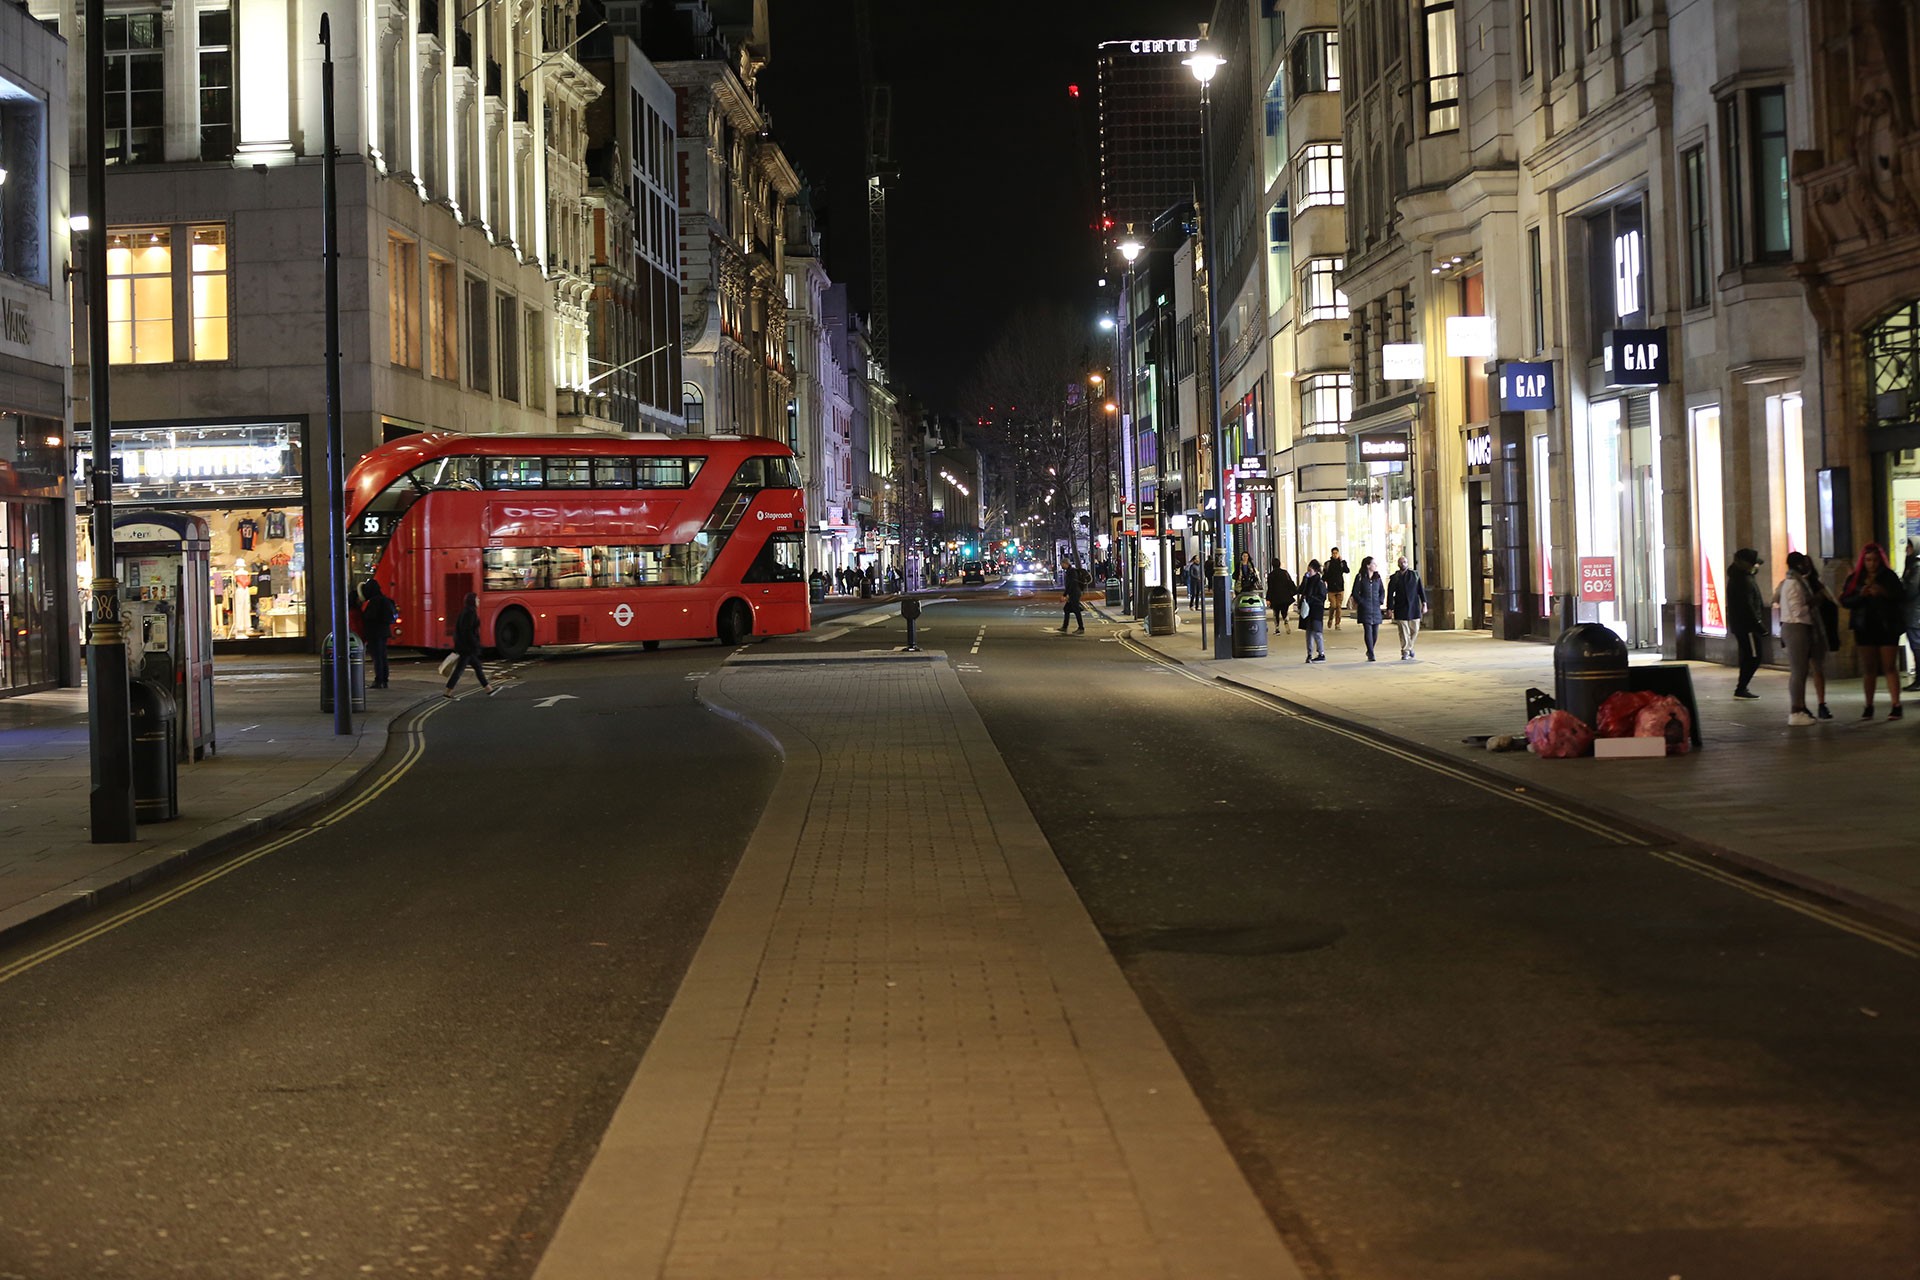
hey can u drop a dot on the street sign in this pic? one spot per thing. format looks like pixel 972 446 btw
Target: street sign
pixel 1596 579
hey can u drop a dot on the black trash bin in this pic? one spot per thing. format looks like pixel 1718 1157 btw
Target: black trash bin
pixel 1162 620
pixel 1113 593
pixel 1250 626
pixel 156 764
pixel 817 587
pixel 356 674
pixel 1589 666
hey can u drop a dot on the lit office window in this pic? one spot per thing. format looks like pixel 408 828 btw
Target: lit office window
pixel 1316 63
pixel 208 292
pixel 1443 68
pixel 403 301
pixel 1320 175
pixel 1319 298
pixel 1326 403
pixel 443 319
pixel 140 296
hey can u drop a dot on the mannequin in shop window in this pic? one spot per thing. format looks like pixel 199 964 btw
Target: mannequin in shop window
pixel 242 626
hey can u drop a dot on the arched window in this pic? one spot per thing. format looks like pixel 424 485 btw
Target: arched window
pixel 693 407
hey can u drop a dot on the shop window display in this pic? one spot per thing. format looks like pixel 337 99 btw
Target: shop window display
pixel 259 573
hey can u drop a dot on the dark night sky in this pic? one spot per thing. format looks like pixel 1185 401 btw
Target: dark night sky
pixel 997 185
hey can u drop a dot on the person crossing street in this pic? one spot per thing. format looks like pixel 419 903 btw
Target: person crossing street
pixel 1075 581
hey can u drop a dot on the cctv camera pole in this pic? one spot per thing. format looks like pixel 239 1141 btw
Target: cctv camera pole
pixel 336 464
pixel 109 720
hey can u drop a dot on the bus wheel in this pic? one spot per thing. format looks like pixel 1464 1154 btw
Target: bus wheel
pixel 649 645
pixel 512 634
pixel 736 624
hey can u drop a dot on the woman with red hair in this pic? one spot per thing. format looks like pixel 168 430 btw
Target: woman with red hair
pixel 1878 603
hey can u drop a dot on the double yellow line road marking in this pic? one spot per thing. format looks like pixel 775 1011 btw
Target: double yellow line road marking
pixel 416 746
pixel 1699 864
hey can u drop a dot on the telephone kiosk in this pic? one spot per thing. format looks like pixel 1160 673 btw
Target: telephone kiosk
pixel 166 605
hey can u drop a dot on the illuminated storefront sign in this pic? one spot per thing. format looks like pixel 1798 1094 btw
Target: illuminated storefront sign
pixel 1479 451
pixel 1384 446
pixel 1635 357
pixel 1526 384
pixel 1470 337
pixel 1403 361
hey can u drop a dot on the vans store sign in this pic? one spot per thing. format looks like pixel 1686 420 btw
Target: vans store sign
pixel 1635 357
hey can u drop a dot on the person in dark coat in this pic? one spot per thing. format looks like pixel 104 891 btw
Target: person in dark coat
pixel 1194 583
pixel 1074 583
pixel 466 644
pixel 1336 577
pixel 1910 583
pixel 1313 612
pixel 1878 613
pixel 1407 602
pixel 377 616
pixel 1280 593
pixel 1369 601
pixel 1747 615
pixel 1246 578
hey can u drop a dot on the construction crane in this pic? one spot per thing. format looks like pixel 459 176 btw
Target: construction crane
pixel 880 175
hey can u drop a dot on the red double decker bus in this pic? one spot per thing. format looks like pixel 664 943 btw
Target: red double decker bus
pixel 582 539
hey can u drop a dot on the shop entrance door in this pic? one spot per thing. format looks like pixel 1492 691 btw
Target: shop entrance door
pixel 1640 527
pixel 1480 552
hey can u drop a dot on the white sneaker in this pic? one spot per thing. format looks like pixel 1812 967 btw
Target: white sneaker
pixel 1800 719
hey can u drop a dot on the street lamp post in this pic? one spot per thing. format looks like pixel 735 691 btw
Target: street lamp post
pixel 1130 248
pixel 109 713
pixel 1204 63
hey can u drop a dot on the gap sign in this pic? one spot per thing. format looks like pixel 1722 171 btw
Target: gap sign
pixel 1526 384
pixel 1635 357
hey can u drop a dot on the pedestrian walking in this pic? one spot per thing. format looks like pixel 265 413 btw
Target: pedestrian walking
pixel 377 616
pixel 1407 602
pixel 1746 616
pixel 1074 584
pixel 1369 599
pixel 1878 614
pixel 1802 629
pixel 466 646
pixel 1313 612
pixel 1910 583
pixel 1281 592
pixel 1246 578
pixel 1335 572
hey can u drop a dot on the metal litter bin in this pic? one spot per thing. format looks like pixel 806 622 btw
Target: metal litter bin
pixel 1162 620
pixel 1113 593
pixel 1589 666
pixel 356 674
pixel 156 764
pixel 1250 626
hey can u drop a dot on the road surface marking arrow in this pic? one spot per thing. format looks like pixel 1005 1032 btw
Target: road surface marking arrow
pixel 556 698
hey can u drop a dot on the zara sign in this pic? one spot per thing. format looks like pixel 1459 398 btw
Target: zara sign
pixel 1635 357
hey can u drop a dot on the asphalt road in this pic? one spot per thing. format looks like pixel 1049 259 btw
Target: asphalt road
pixel 1448 1035
pixel 388 1047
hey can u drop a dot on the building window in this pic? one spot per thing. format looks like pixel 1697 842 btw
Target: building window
pixel 1326 403
pixel 1786 431
pixel 1526 38
pixel 1559 37
pixel 208 292
pixel 693 407
pixel 1592 17
pixel 536 332
pixel 508 308
pixel 24 240
pixel 1541 474
pixel 403 301
pixel 1537 290
pixel 136 94
pixel 479 326
pixel 1319 298
pixel 1443 68
pixel 1629 12
pixel 140 296
pixel 1709 515
pixel 1316 63
pixel 1693 191
pixel 1753 136
pixel 216 84
pixel 443 319
pixel 1279 259
pixel 1320 176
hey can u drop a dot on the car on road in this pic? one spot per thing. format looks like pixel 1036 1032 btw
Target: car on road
pixel 973 576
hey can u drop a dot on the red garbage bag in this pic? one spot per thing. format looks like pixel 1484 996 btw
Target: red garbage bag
pixel 1559 735
pixel 1616 715
pixel 1666 717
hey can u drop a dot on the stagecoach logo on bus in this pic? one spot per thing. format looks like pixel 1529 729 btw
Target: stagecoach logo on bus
pixel 775 515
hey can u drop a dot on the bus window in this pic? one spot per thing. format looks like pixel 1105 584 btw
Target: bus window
pixel 613 473
pixel 515 473
pixel 751 475
pixel 780 560
pixel 569 567
pixel 665 473
pixel 516 568
pixel 782 474
pixel 461 472
pixel 569 473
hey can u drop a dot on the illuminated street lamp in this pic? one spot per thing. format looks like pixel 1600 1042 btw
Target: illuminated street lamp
pixel 1204 64
pixel 1130 593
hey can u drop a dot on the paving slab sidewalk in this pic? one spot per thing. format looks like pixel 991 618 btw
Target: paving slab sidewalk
pixel 1823 807
pixel 277 759
pixel 902 1049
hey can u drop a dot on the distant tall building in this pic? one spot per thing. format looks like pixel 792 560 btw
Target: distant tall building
pixel 1149 132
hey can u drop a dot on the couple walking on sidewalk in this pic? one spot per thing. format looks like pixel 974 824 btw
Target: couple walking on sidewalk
pixel 1403 596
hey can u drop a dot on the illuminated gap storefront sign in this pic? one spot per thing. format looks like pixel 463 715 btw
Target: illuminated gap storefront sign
pixel 1385 446
pixel 1635 357
pixel 1526 384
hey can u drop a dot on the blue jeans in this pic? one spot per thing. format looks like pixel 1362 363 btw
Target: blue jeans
pixel 1316 641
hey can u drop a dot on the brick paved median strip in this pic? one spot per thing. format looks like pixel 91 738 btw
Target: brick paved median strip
pixel 902 1049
